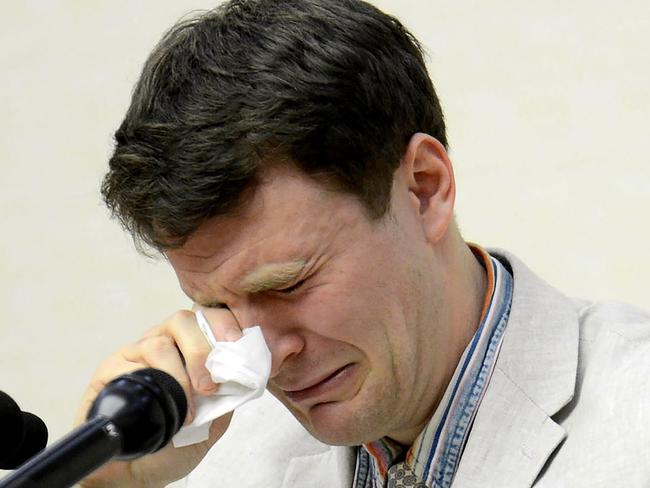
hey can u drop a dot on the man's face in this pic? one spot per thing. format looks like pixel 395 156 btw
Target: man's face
pixel 345 303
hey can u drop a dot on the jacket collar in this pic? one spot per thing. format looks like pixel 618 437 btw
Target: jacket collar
pixel 513 433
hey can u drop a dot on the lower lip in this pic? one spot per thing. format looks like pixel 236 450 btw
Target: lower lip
pixel 326 387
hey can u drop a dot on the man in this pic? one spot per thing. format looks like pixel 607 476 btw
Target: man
pixel 289 160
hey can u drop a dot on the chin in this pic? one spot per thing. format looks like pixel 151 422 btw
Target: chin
pixel 341 423
pixel 347 422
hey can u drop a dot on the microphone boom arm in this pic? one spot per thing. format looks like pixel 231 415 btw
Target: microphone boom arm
pixel 87 447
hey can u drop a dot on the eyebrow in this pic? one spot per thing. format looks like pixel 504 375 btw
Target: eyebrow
pixel 272 276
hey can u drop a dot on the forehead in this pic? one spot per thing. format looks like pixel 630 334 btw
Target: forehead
pixel 289 218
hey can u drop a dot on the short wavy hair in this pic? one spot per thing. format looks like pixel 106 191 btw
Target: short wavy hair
pixel 335 87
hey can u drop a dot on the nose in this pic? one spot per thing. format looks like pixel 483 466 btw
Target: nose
pixel 283 340
pixel 283 345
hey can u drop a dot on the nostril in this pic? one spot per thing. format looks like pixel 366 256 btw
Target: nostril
pixel 283 348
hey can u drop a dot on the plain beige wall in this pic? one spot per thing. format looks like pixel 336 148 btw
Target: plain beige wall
pixel 548 107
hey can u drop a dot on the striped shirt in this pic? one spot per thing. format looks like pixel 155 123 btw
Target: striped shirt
pixel 436 452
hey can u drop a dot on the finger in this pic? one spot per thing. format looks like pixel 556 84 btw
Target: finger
pixel 195 349
pixel 223 323
pixel 161 352
pixel 105 373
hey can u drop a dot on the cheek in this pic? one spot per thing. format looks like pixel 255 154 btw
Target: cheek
pixel 337 312
pixel 364 318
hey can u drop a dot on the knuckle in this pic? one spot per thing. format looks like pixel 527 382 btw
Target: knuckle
pixel 185 383
pixel 106 365
pixel 178 323
pixel 181 316
pixel 109 369
pixel 171 325
pixel 197 370
pixel 96 386
pixel 159 343
pixel 195 356
pixel 153 331
pixel 128 352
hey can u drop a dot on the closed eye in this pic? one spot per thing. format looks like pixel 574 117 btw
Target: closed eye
pixel 292 288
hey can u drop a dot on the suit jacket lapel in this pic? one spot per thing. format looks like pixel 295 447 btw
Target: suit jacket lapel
pixel 513 434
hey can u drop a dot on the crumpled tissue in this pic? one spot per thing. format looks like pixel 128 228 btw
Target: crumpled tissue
pixel 241 369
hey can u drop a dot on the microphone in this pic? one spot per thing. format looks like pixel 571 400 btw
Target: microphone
pixel 134 415
pixel 23 434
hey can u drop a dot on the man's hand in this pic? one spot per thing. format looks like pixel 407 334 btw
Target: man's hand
pixel 178 347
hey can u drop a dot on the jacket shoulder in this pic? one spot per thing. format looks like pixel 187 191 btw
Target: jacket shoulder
pixel 600 319
pixel 608 438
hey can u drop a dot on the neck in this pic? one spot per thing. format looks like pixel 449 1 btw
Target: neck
pixel 467 288
pixel 464 290
pixel 476 291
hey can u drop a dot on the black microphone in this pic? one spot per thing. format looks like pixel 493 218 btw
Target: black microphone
pixel 22 434
pixel 134 415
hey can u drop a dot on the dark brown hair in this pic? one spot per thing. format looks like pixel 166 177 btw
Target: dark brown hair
pixel 335 87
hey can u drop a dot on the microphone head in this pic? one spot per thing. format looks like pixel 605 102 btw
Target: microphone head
pixel 33 441
pixel 11 426
pixel 169 393
pixel 23 434
pixel 147 406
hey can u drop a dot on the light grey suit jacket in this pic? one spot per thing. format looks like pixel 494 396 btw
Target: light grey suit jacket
pixel 568 405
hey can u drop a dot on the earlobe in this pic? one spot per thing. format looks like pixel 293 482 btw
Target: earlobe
pixel 431 184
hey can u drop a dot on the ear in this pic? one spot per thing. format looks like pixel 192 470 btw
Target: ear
pixel 430 180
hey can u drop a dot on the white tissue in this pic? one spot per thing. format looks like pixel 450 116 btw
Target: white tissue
pixel 241 369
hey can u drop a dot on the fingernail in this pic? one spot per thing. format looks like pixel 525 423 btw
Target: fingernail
pixel 190 415
pixel 206 384
pixel 232 335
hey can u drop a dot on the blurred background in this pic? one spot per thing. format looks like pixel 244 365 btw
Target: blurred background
pixel 548 109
